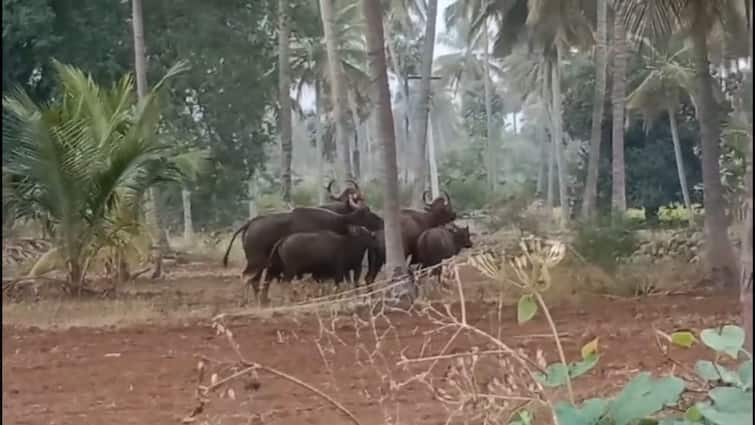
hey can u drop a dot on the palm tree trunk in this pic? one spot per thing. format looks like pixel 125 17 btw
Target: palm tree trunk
pixel 140 69
pixel 618 99
pixel 423 105
pixel 355 156
pixel 251 193
pixel 386 136
pixel 432 158
pixel 542 163
pixel 559 137
pixel 680 163
pixel 284 98
pixel 719 252
pixel 188 223
pixel 745 282
pixel 320 146
pixel 339 97
pixel 489 144
pixel 590 197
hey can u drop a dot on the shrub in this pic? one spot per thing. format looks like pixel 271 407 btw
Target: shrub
pixel 676 214
pixel 606 242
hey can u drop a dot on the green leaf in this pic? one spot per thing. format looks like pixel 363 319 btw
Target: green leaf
pixel 728 340
pixel 581 367
pixel 715 372
pixel 591 412
pixel 522 418
pixel 526 308
pixel 555 375
pixel 644 396
pixel 731 406
pixel 683 339
pixel 693 414
pixel 745 375
pixel 589 349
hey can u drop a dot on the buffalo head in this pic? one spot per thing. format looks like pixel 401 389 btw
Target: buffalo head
pixel 461 235
pixel 439 208
pixel 351 195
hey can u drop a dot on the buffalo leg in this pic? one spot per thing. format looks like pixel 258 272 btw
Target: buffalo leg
pixel 252 281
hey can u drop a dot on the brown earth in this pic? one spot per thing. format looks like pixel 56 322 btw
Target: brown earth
pixel 147 373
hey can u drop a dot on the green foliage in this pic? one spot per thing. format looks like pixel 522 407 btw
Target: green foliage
pixel 606 242
pixel 557 374
pixel 83 162
pixel 526 308
pixel 676 213
pixel 729 399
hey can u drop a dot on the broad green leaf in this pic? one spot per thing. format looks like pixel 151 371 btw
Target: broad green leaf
pixel 683 339
pixel 728 340
pixel 715 372
pixel 581 367
pixel 644 396
pixel 731 406
pixel 745 375
pixel 693 414
pixel 526 308
pixel 555 375
pixel 591 412
pixel 590 348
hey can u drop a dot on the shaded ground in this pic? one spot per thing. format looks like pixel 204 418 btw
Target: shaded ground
pixel 146 374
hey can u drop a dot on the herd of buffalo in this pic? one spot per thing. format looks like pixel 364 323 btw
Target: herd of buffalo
pixel 330 241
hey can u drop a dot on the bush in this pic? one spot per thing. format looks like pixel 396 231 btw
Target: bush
pixel 676 214
pixel 606 242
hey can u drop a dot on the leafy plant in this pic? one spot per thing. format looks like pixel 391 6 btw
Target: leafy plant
pixel 607 242
pixel 82 162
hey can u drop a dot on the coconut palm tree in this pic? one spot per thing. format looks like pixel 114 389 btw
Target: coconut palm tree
pixel 668 81
pixel 423 104
pixel 381 93
pixel 140 68
pixel 478 67
pixel 698 18
pixel 619 53
pixel 85 160
pixel 284 97
pixel 339 98
pixel 590 197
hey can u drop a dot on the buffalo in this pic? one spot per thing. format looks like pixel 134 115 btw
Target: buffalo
pixel 324 254
pixel 436 244
pixel 413 222
pixel 262 233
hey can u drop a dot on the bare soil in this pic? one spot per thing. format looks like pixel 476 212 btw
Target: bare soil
pixel 146 373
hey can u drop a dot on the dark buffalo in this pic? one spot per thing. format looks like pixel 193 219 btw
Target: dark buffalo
pixel 436 244
pixel 350 199
pixel 262 233
pixel 413 222
pixel 324 254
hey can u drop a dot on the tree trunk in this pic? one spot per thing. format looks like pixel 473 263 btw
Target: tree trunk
pixel 140 69
pixel 355 156
pixel 251 193
pixel 400 78
pixel 680 163
pixel 339 95
pixel 320 145
pixel 432 157
pixel 745 282
pixel 423 105
pixel 618 100
pixel 550 198
pixel 385 133
pixel 590 197
pixel 543 162
pixel 558 139
pixel 284 98
pixel 489 134
pixel 188 224
pixel 719 252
